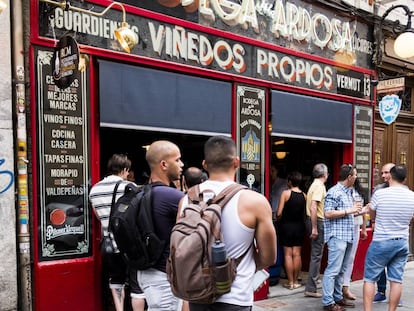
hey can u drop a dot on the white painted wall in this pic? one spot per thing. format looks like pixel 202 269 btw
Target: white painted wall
pixel 397 14
pixel 8 259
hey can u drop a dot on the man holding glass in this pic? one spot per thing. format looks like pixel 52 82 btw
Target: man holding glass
pixel 339 235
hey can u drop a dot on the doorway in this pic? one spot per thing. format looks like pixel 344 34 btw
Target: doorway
pixel 133 142
pixel 294 154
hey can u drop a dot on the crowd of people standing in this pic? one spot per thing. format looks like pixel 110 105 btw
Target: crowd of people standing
pixel 250 209
pixel 335 218
pixel 327 217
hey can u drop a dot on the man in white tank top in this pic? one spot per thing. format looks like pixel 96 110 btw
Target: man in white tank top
pixel 246 218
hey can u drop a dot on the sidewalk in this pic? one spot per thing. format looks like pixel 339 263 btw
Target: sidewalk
pixel 280 298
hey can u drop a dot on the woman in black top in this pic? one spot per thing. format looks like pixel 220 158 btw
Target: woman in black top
pixel 291 216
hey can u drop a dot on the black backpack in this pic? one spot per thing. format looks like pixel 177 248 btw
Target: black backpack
pixel 132 227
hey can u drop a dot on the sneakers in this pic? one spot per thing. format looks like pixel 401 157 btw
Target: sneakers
pixel 379 297
pixel 400 303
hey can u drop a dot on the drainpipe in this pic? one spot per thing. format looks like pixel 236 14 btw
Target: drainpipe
pixel 23 232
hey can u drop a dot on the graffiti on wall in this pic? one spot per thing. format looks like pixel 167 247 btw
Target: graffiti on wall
pixel 6 178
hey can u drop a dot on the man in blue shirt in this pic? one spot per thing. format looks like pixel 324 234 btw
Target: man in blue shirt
pixel 164 160
pixel 339 210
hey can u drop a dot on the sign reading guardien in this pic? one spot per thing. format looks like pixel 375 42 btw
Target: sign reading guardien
pixel 64 217
pixel 173 43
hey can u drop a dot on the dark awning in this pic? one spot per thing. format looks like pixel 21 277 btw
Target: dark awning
pixel 309 117
pixel 142 98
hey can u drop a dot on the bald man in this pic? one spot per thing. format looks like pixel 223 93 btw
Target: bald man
pixel 193 176
pixel 164 160
pixel 382 282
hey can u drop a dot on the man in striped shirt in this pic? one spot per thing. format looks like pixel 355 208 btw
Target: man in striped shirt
pixel 101 199
pixel 392 208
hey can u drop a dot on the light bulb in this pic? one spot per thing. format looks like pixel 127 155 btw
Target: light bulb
pixel 404 45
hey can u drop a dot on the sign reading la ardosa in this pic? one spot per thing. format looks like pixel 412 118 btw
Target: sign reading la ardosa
pixel 173 43
pixel 251 136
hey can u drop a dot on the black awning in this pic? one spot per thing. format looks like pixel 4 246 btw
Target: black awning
pixel 142 98
pixel 303 116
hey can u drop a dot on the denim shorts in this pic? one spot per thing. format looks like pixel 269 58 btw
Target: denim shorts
pixel 391 254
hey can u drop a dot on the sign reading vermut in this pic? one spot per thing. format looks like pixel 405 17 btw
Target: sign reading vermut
pixel 64 218
pixel 251 136
pixel 164 41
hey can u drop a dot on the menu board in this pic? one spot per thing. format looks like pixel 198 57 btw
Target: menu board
pixel 251 136
pixel 363 144
pixel 64 218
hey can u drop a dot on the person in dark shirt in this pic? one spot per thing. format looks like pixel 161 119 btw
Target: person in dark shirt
pixel 193 176
pixel 291 216
pixel 164 160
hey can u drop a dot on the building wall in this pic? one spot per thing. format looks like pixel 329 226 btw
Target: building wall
pixel 8 266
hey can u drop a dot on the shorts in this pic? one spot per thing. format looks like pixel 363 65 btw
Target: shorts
pixel 391 254
pixel 218 306
pixel 119 274
pixel 116 268
pixel 157 290
pixel 136 291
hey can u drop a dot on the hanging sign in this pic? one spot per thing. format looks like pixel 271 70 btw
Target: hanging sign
pixel 65 62
pixel 389 108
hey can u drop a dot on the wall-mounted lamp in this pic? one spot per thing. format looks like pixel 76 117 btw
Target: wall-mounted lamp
pixel 404 43
pixel 125 36
pixel 377 157
pixel 403 158
pixel 3 6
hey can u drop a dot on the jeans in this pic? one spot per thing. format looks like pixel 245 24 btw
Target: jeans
pixel 315 256
pixel 349 264
pixel 157 290
pixel 338 253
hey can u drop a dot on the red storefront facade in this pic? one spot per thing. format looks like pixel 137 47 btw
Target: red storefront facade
pixel 293 71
